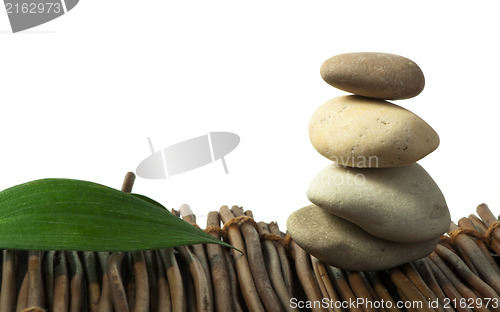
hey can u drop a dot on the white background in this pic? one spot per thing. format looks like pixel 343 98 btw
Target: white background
pixel 80 95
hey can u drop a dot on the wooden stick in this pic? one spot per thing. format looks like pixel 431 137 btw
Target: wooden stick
pixel 478 224
pixel 141 282
pixel 489 219
pixel 464 255
pixel 486 215
pixel 382 291
pixel 219 270
pixel 117 290
pixel 245 279
pixel 448 288
pixel 465 291
pixel 319 280
pixel 274 268
pixel 330 288
pixel 129 281
pixel 174 278
pixel 76 284
pixel 257 264
pixel 105 304
pixel 61 283
pixel 48 272
pixel 92 279
pixel 198 249
pixel 468 224
pixel 286 268
pixel 151 268
pixel 408 289
pixel 306 275
pixel 238 299
pixel 9 279
pixel 188 284
pixel 360 291
pixel 203 301
pixel 343 287
pixel 128 182
pixel 426 272
pixel 164 300
pixel 22 298
pixel 461 268
pixel 189 287
pixel 417 280
pixel 370 289
pixel 36 296
pixel 404 298
pixel 481 263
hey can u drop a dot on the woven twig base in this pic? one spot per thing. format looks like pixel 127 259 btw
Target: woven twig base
pixel 273 274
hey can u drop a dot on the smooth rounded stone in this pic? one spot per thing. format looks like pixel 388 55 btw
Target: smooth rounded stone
pixel 356 131
pixel 377 75
pixel 401 204
pixel 344 245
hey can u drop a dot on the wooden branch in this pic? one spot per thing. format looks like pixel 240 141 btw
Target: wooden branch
pixel 257 264
pixel 480 262
pixel 306 275
pixel 9 281
pixel 151 268
pixel 76 284
pixel 408 289
pixel 199 250
pixel 382 292
pixel 286 268
pixel 141 282
pixel 117 290
pixel 245 278
pixel 467 224
pixel 174 278
pixel 36 295
pixel 164 300
pixel 219 270
pixel 465 273
pixel 426 272
pixel 360 290
pixel 203 301
pixel 105 304
pixel 418 281
pixel 22 298
pixel 274 268
pixel 448 288
pixel 92 279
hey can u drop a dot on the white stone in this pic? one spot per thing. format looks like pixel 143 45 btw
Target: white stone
pixel 401 204
pixel 361 132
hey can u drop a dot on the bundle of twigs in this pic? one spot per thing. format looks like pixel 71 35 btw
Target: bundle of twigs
pixel 272 274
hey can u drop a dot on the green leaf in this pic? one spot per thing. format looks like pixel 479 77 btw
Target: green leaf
pixel 65 214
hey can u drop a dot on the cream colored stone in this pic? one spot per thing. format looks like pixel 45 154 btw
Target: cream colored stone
pixel 344 245
pixel 361 132
pixel 378 75
pixel 401 204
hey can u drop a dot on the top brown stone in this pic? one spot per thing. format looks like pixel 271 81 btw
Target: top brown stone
pixel 377 75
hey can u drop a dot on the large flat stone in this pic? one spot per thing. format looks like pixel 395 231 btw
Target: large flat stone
pixel 344 245
pixel 401 204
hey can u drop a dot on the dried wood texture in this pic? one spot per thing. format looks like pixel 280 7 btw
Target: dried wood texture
pixel 272 274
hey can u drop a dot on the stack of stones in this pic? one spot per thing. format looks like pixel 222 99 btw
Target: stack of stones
pixel 374 207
